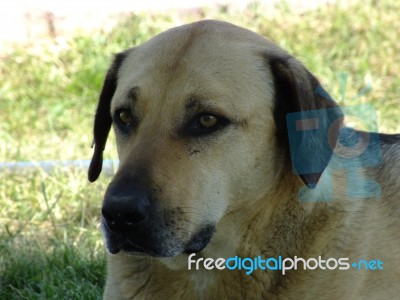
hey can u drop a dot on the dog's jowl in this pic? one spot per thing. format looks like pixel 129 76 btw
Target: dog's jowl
pixel 237 177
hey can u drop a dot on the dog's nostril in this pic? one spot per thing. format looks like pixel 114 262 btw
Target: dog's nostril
pixel 119 219
pixel 108 219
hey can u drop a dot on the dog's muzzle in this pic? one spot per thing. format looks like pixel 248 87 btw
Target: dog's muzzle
pixel 132 222
pixel 126 211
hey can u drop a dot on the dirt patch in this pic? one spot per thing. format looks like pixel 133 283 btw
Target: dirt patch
pixel 25 21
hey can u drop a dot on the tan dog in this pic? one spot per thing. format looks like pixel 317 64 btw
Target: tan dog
pixel 210 166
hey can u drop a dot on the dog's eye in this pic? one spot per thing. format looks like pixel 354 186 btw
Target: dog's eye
pixel 125 117
pixel 204 124
pixel 124 120
pixel 208 121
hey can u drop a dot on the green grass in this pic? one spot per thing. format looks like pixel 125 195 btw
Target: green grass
pixel 62 272
pixel 50 244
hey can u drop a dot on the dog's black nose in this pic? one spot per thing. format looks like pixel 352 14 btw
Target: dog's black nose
pixel 125 206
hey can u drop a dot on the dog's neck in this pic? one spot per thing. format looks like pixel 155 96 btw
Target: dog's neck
pixel 280 227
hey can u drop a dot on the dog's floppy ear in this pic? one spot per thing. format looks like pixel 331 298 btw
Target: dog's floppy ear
pixel 103 120
pixel 308 120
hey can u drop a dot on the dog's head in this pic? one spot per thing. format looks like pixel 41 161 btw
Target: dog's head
pixel 199 114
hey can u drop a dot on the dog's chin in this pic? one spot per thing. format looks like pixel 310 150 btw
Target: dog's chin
pixel 196 244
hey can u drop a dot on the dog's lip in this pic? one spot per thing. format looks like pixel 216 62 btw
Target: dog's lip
pixel 200 240
pixel 134 250
pixel 115 247
pixel 117 242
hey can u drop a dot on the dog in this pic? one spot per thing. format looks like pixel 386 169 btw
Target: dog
pixel 231 151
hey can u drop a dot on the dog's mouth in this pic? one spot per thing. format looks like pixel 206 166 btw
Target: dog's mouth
pixel 200 240
pixel 152 245
pixel 116 245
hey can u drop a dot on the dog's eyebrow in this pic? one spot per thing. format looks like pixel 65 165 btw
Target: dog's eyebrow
pixel 196 103
pixel 133 94
pixel 192 102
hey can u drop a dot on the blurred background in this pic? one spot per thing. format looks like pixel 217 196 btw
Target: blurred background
pixel 53 58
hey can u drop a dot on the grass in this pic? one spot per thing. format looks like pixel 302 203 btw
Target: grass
pixel 60 273
pixel 50 245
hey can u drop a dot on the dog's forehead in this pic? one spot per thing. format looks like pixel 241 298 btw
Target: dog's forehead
pixel 201 40
pixel 203 58
pixel 210 36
